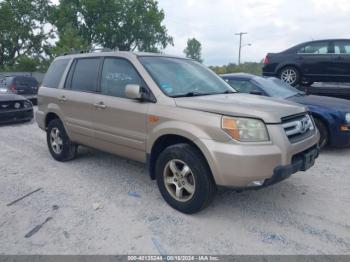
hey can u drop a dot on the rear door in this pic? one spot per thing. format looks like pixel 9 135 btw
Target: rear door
pixel 77 98
pixel 315 60
pixel 120 123
pixel 341 58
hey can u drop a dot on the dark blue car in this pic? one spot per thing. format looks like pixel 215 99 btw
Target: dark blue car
pixel 332 115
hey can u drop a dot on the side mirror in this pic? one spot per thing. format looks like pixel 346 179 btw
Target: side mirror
pixel 133 92
pixel 256 92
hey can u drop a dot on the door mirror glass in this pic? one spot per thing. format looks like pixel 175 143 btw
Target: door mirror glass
pixel 133 92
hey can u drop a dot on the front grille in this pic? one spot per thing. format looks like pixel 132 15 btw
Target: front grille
pixel 298 127
pixel 10 105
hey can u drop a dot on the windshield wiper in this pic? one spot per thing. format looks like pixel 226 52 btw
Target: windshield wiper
pixel 190 94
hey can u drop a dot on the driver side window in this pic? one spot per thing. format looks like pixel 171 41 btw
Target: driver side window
pixel 117 73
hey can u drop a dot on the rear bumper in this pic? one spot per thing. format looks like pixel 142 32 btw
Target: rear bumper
pixel 269 74
pixel 18 115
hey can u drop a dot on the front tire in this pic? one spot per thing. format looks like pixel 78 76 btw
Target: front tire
pixel 184 178
pixel 60 146
pixel 323 133
pixel 290 75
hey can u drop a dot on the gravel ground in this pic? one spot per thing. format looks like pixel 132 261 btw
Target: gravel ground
pixel 103 204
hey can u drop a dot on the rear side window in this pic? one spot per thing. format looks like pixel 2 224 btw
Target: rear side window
pixel 55 72
pixel 117 73
pixel 26 81
pixel 315 48
pixel 85 74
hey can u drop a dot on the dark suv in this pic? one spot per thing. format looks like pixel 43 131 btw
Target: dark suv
pixel 316 61
pixel 26 86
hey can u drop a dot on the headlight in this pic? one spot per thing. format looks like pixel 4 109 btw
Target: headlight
pixel 245 129
pixel 27 104
pixel 347 118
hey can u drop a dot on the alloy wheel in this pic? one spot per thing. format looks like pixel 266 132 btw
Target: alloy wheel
pixel 179 180
pixel 56 140
pixel 289 76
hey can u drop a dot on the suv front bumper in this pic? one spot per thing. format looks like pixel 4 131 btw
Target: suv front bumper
pixel 300 162
pixel 240 165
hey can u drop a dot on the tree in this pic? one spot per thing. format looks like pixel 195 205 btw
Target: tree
pixel 116 24
pixel 194 50
pixel 23 36
pixel 247 67
pixel 69 41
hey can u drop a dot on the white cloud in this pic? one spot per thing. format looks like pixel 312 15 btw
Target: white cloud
pixel 272 25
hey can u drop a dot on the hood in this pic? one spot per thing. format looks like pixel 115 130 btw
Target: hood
pixel 270 110
pixel 10 97
pixel 337 104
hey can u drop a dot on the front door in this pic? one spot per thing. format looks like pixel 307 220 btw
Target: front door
pixel 120 123
pixel 315 60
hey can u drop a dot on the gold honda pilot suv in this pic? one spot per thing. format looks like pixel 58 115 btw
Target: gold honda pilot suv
pixel 193 130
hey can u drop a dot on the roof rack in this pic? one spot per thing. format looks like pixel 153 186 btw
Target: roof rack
pixel 92 50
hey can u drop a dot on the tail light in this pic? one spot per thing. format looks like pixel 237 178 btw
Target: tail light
pixel 266 60
pixel 12 88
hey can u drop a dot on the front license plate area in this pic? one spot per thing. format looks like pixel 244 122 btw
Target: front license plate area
pixel 309 159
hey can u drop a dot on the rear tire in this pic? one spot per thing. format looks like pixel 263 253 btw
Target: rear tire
pixel 184 178
pixel 290 75
pixel 60 146
pixel 322 128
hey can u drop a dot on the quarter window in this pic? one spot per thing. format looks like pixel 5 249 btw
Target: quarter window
pixel 85 74
pixel 54 73
pixel 315 48
pixel 117 73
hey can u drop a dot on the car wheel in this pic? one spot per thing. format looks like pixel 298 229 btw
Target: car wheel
pixel 184 178
pixel 60 146
pixel 323 133
pixel 290 75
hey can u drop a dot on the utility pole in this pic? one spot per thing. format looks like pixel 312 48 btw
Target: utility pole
pixel 240 45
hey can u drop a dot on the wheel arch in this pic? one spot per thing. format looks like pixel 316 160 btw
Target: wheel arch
pixel 49 117
pixel 279 69
pixel 164 141
pixel 325 122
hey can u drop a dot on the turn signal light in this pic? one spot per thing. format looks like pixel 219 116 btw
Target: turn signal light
pixel 344 128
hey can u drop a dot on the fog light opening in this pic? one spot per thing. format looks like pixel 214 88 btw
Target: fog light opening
pixel 256 183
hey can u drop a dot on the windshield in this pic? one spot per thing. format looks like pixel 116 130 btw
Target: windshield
pixel 181 77
pixel 277 88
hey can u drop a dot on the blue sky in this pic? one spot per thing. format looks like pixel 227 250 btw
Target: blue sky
pixel 272 25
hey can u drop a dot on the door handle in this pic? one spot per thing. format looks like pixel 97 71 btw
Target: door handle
pixel 100 105
pixel 62 99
